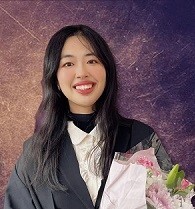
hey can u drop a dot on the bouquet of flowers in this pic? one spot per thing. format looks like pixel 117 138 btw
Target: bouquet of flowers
pixel 137 182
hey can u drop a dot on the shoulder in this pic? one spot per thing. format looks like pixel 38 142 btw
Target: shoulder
pixel 134 124
pixel 130 133
pixel 137 128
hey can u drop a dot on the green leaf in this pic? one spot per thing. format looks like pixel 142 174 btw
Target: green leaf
pixel 182 193
pixel 180 176
pixel 172 177
pixel 191 187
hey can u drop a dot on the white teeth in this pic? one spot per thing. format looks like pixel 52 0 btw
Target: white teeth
pixel 83 87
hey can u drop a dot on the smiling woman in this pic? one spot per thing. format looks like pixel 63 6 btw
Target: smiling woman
pixel 66 162
pixel 81 75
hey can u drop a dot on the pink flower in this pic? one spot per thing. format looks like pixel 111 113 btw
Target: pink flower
pixel 184 184
pixel 159 197
pixel 145 162
pixel 148 159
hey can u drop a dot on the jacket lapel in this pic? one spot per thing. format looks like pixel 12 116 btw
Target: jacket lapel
pixel 69 169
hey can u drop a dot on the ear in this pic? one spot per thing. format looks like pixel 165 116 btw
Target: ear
pixel 58 87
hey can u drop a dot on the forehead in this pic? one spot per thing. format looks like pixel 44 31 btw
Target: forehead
pixel 76 44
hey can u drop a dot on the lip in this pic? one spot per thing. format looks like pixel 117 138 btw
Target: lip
pixel 83 83
pixel 84 91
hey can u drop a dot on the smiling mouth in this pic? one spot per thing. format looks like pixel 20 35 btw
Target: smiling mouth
pixel 84 87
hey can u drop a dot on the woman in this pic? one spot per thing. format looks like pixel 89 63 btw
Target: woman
pixel 78 129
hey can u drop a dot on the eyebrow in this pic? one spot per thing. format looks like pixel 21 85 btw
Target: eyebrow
pixel 86 55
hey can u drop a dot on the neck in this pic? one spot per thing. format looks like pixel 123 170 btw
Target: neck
pixel 80 109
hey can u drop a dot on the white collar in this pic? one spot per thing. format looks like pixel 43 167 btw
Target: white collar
pixel 77 135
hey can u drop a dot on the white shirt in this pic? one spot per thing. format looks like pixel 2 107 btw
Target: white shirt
pixel 83 143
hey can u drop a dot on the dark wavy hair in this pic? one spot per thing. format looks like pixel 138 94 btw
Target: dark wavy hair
pixel 51 117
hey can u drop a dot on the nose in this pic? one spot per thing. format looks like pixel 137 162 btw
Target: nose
pixel 81 72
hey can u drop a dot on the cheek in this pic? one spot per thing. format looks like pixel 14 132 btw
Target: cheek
pixel 101 75
pixel 65 78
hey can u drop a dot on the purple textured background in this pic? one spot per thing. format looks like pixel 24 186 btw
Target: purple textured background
pixel 154 46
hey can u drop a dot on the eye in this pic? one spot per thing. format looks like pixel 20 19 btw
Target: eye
pixel 92 61
pixel 67 64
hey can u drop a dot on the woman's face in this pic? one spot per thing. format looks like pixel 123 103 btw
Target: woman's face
pixel 81 76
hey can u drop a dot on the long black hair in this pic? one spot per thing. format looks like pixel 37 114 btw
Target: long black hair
pixel 51 117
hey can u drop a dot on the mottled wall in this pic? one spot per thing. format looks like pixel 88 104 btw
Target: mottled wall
pixel 153 42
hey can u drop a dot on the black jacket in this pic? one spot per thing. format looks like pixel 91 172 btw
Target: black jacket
pixel 132 135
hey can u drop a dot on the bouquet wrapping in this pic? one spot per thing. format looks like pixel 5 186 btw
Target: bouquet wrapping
pixel 137 182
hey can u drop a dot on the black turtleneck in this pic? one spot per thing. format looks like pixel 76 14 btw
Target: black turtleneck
pixel 86 122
